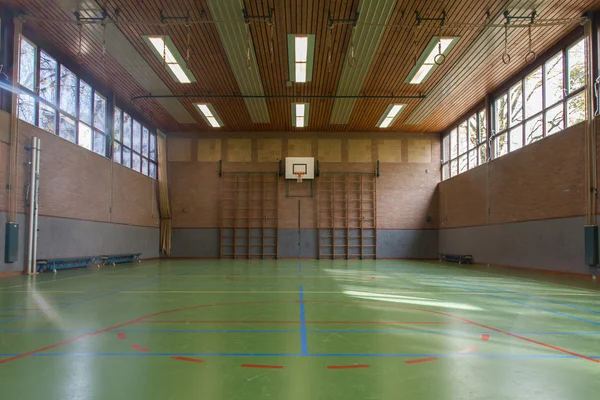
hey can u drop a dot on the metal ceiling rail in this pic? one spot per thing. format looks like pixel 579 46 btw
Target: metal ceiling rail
pixel 275 96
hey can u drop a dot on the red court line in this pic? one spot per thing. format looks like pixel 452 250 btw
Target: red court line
pixel 187 359
pixel 262 366
pixel 467 350
pixel 348 366
pixel 122 335
pixel 421 360
pixel 140 348
pixel 485 337
pixel 245 321
pixel 352 303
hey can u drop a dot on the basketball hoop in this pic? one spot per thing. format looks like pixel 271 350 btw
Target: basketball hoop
pixel 299 174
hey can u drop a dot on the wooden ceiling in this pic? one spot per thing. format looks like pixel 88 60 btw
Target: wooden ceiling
pixel 392 63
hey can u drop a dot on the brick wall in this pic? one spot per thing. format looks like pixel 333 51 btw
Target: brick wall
pixel 76 183
pixel 406 190
pixel 544 180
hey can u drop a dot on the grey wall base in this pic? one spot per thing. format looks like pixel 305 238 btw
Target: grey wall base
pixel 61 237
pixel 556 244
pixel 204 243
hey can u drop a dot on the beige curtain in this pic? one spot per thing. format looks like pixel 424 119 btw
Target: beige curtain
pixel 164 205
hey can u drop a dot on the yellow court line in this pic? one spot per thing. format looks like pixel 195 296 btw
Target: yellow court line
pixel 305 291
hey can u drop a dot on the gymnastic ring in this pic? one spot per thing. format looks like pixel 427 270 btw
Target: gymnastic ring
pixel 506 58
pixel 352 61
pixel 439 59
pixel 530 57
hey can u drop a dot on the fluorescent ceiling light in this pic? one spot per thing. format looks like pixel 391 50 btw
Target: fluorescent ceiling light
pixel 299 115
pixel 390 114
pixel 209 115
pixel 426 64
pixel 164 48
pixel 301 50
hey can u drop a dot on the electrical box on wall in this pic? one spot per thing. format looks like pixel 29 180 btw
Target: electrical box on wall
pixel 11 243
pixel 591 245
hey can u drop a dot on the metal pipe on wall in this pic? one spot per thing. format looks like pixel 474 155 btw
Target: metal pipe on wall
pixel 33 205
pixel 36 196
pixel 590 133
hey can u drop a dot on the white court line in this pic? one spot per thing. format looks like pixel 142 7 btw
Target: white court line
pixel 324 292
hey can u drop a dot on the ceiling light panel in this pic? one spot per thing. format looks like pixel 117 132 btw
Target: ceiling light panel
pixel 301 50
pixel 164 48
pixel 391 113
pixel 300 115
pixel 437 50
pixel 209 115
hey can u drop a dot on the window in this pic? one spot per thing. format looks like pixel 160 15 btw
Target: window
pixel 535 106
pixel 134 144
pixel 465 146
pixel 56 100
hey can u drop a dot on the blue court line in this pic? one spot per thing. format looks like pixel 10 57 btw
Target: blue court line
pixel 303 333
pixel 91 298
pixel 530 296
pixel 405 355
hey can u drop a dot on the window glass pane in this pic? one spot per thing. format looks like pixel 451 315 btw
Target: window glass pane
pixel 472 158
pixel 445 171
pixel 516 138
pixel 126 157
pixel 136 162
pixel 153 147
pixel 145 140
pixel 117 152
pixel 473 132
pixel 136 144
pixel 482 155
pixel 462 138
pixel 152 171
pixel 99 143
pixel 554 119
pixel 26 108
pixel 85 136
pixel 462 163
pixel 117 125
pixel 576 109
pixel 501 143
pixel 453 167
pixel 48 68
pixel 68 91
pixel 482 127
pixel 533 93
pixel 446 148
pixel 66 128
pixel 453 144
pixel 500 114
pixel 554 79
pixel 534 130
pixel 99 112
pixel 85 102
pixel 515 98
pixel 27 64
pixel 126 130
pixel 145 166
pixel 576 68
pixel 47 117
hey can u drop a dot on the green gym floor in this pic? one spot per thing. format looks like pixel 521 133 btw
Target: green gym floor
pixel 299 330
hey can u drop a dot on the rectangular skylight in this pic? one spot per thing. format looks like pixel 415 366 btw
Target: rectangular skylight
pixel 209 115
pixel 390 114
pixel 434 55
pixel 164 48
pixel 301 50
pixel 299 115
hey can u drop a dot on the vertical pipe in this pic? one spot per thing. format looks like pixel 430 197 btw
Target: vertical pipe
pixel 37 200
pixel 14 122
pixel 590 140
pixel 32 183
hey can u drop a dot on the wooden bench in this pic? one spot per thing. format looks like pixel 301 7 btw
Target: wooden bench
pixel 54 264
pixel 457 258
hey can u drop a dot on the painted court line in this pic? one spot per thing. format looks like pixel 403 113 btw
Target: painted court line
pixel 468 350
pixel 303 333
pixel 195 360
pixel 485 337
pixel 140 348
pixel 348 366
pixel 421 360
pixel 122 336
pixel 301 321
pixel 261 366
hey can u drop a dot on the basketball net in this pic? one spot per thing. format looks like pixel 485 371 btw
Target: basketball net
pixel 299 175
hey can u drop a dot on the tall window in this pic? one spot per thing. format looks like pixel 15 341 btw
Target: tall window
pixel 536 106
pixel 134 144
pixel 464 147
pixel 56 100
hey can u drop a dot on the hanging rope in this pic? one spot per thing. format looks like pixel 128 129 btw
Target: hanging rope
pixel 189 38
pixel 79 50
pixel 329 46
pixel 248 58
pixel 440 58
pixel 531 55
pixel 352 61
pixel 103 44
pixel 271 43
pixel 505 55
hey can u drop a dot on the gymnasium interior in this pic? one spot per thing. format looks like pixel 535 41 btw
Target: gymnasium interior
pixel 299 199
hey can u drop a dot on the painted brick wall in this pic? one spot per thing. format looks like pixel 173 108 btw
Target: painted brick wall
pixel 544 180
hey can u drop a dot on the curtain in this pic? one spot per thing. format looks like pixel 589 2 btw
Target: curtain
pixel 164 205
